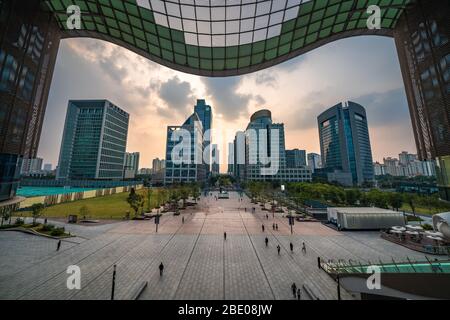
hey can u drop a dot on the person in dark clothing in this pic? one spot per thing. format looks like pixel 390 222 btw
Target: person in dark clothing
pixel 225 236
pixel 58 245
pixel 292 247
pixel 304 248
pixel 276 227
pixel 299 294
pixel 294 289
pixel 161 269
pixel 267 241
pixel 183 220
pixel 278 249
pixel 263 228
pixel 273 227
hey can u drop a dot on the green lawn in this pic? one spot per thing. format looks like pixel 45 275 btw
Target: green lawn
pixel 107 207
pixel 419 209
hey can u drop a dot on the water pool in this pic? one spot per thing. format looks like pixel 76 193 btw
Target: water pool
pixel 29 192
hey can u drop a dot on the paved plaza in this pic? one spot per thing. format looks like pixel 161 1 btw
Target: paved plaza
pixel 199 264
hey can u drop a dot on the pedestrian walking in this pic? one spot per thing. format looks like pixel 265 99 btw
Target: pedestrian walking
pixel 299 294
pixel 276 226
pixel 58 246
pixel 278 249
pixel 263 228
pixel 183 220
pixel 267 216
pixel 267 242
pixel 161 269
pixel 225 236
pixel 292 247
pixel 304 248
pixel 294 289
pixel 273 227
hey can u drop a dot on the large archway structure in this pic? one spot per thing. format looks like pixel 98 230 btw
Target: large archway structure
pixel 218 38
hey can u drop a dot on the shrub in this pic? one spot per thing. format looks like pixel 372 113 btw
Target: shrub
pixel 57 232
pixel 19 222
pixel 47 227
pixel 427 227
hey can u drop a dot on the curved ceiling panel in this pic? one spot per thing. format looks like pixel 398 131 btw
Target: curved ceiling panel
pixel 224 37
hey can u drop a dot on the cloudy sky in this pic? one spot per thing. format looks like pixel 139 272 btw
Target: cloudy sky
pixel 362 69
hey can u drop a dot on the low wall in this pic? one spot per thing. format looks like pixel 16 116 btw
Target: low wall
pixel 75 196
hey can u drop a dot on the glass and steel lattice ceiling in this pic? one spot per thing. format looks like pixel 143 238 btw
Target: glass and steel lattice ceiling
pixel 224 37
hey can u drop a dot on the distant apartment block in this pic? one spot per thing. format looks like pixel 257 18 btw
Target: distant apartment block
pixel 407 165
pixel 158 165
pixel 94 141
pixel 131 166
pixel 31 166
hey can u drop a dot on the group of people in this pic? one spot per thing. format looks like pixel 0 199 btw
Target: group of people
pixel 297 292
pixel 291 246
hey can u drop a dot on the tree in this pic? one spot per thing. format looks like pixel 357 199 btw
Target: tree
pixel 36 211
pixel 84 211
pixel 195 192
pixel 6 214
pixel 412 203
pixel 352 196
pixel 184 194
pixel 135 201
pixel 149 193
pixel 395 200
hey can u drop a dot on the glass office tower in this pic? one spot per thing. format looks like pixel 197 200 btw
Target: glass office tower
pixel 192 168
pixel 345 142
pixel 29 39
pixel 94 141
pixel 423 44
pixel 204 113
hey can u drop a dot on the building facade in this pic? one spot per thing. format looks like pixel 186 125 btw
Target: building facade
pixel 295 158
pixel 31 166
pixel 131 165
pixel 314 161
pixel 94 141
pixel 345 143
pixel 215 153
pixel 184 153
pixel 260 153
pixel 204 113
pixel 29 42
pixel 406 166
pixel 422 37
pixel 158 165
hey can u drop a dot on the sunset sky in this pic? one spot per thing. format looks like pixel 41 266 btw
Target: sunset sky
pixel 362 69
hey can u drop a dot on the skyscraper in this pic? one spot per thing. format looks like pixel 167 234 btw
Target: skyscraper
pixel 295 158
pixel 265 152
pixel 94 141
pixel 314 161
pixel 422 38
pixel 345 142
pixel 184 152
pixel 215 159
pixel 204 113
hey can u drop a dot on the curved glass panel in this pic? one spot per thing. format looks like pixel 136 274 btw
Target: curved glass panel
pixel 224 37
